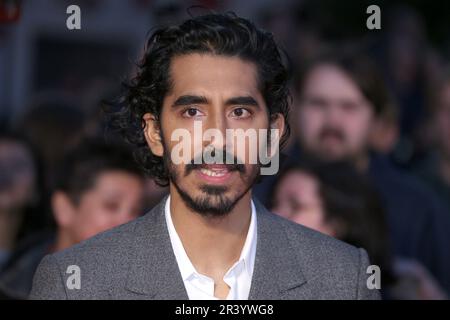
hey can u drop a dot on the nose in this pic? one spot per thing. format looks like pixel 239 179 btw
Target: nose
pixel 333 114
pixel 215 130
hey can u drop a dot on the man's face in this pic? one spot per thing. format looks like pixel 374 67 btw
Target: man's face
pixel 334 118
pixel 219 93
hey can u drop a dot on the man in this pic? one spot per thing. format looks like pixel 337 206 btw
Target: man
pixel 340 96
pixel 99 186
pixel 208 239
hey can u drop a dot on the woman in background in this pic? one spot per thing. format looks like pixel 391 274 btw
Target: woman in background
pixel 336 200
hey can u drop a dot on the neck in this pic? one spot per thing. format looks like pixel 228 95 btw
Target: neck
pixel 213 244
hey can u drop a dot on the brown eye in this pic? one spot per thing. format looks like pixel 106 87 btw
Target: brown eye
pixel 240 113
pixel 111 206
pixel 191 112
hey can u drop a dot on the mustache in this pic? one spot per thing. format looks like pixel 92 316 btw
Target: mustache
pixel 333 132
pixel 198 162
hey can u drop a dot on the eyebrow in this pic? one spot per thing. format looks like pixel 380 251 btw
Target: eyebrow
pixel 186 100
pixel 245 101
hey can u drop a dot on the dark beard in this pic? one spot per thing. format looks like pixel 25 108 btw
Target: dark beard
pixel 214 203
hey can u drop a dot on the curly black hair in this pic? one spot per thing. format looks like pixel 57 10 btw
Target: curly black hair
pixel 219 34
pixel 83 163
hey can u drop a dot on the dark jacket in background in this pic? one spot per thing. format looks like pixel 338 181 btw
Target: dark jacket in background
pixel 417 218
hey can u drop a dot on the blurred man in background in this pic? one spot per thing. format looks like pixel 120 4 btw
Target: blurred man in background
pixel 340 95
pixel 98 187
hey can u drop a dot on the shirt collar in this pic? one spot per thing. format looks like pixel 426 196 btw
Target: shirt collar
pixel 185 265
pixel 249 249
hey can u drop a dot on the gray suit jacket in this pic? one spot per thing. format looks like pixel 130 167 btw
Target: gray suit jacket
pixel 136 261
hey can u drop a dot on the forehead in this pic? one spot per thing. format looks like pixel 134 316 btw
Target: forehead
pixel 212 73
pixel 331 82
pixel 298 182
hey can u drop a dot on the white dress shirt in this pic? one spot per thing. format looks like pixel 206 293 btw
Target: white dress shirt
pixel 238 277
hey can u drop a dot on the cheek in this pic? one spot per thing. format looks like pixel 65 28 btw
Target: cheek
pixel 358 127
pixel 91 219
pixel 311 220
pixel 281 209
pixel 176 132
pixel 309 124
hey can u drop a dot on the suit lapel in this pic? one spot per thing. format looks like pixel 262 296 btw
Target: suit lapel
pixel 277 269
pixel 153 269
pixel 154 274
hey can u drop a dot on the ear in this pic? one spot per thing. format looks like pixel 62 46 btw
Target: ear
pixel 63 209
pixel 153 134
pixel 277 122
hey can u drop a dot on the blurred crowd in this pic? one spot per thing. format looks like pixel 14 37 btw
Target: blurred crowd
pixel 368 161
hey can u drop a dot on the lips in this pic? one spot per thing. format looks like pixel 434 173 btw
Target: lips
pixel 215 172
pixel 217 169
